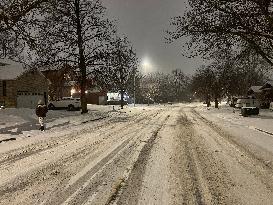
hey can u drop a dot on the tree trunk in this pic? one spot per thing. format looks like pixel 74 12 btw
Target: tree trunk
pixel 216 103
pixel 122 98
pixel 81 64
pixel 208 101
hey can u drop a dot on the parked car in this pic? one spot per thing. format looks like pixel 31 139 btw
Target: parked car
pixel 247 102
pixel 246 111
pixel 68 103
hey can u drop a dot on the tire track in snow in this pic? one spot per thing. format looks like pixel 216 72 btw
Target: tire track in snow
pixel 109 131
pixel 74 192
pixel 130 192
pixel 41 171
pixel 21 153
pixel 191 165
pixel 231 140
pixel 251 164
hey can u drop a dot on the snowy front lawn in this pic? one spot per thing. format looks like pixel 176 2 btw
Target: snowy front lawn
pixel 231 116
pixel 253 130
pixel 21 123
pixel 24 122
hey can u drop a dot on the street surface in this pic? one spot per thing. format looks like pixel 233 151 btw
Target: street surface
pixel 159 155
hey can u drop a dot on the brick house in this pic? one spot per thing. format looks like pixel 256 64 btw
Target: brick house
pixel 65 83
pixel 63 79
pixel 21 87
pixel 94 95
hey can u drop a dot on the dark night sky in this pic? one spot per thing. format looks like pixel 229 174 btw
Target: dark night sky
pixel 144 22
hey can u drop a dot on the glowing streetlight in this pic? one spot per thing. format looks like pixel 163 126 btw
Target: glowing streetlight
pixel 146 65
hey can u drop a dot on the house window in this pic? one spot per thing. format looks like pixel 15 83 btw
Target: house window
pixel 4 88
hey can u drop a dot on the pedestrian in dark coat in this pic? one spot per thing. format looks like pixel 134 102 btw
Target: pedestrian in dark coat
pixel 41 111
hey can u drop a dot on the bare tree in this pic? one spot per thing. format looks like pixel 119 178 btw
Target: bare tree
pixel 12 12
pixel 213 25
pixel 120 67
pixel 205 84
pixel 17 19
pixel 227 78
pixel 149 86
pixel 181 85
pixel 75 32
pixel 165 87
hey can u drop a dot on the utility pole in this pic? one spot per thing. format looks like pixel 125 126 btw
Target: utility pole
pixel 135 88
pixel 82 63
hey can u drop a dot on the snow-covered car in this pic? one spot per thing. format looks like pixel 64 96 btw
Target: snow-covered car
pixel 247 102
pixel 65 103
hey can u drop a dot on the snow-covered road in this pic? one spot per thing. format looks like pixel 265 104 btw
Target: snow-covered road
pixel 175 154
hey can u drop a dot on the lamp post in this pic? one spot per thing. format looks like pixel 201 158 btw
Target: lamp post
pixel 135 88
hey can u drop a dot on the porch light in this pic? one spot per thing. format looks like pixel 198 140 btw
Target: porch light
pixel 73 90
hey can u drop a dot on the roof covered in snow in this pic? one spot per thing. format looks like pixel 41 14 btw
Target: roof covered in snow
pixel 255 88
pixel 10 70
pixel 268 84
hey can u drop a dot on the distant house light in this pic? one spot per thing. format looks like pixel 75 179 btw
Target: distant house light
pixel 73 90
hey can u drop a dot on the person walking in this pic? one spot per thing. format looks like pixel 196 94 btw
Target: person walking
pixel 41 111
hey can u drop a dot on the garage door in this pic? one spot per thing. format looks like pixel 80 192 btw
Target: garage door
pixel 28 100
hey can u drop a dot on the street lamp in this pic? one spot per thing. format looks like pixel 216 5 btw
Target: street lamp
pixel 146 65
pixel 135 88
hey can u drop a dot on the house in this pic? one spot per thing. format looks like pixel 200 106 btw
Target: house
pixel 267 86
pixel 19 87
pixel 255 91
pixel 63 79
pixel 267 92
pixel 96 95
pixel 65 83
